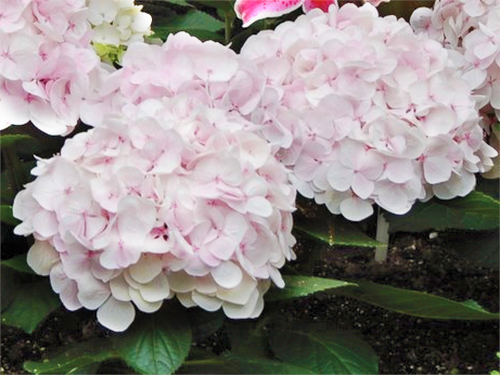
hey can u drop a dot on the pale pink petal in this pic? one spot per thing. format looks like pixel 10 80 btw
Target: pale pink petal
pixel 207 303
pixel 156 290
pixel 116 315
pixel 142 304
pixel 339 177
pixel 91 292
pixel 146 269
pixel 41 257
pixel 240 294
pixel 355 209
pixel 119 289
pixel 181 282
pixel 227 275
pixel 437 169
pixel 234 311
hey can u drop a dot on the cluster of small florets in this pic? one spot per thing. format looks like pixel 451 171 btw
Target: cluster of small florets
pixel 118 22
pixel 47 64
pixel 172 194
pixel 471 28
pixel 47 60
pixel 363 110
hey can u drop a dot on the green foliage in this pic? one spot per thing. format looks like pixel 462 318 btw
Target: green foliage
pixel 267 346
pixel 414 303
pixel 228 363
pixel 18 263
pixel 476 211
pixel 6 215
pixel 182 3
pixel 332 229
pixel 31 299
pixel 8 140
pixel 156 343
pixel 224 5
pixel 300 286
pixel 195 22
pixel 79 358
pixel 319 349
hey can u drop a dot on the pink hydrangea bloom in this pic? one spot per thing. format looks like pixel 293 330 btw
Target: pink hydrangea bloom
pixel 471 28
pixel 47 64
pixel 171 194
pixel 365 111
pixel 250 11
pixel 47 60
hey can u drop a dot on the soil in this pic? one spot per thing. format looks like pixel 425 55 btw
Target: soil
pixel 404 344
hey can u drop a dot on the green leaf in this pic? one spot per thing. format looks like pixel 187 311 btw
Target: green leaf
pixel 6 215
pixel 80 358
pixel 182 3
pixel 323 351
pixel 476 211
pixel 18 263
pixel 7 140
pixel 411 302
pixel 194 22
pixel 225 5
pixel 32 302
pixel 335 230
pixel 156 343
pixel 300 286
pixel 233 364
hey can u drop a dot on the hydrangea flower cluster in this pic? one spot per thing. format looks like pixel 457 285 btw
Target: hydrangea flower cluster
pixel 47 64
pixel 471 28
pixel 363 110
pixel 171 194
pixel 47 60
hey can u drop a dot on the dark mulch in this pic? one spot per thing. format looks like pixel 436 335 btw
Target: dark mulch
pixel 405 344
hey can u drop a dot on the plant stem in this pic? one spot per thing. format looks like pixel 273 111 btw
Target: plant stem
pixel 382 237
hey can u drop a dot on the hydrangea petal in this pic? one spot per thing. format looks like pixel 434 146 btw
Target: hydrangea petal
pixel 41 257
pixel 116 315
pixel 227 275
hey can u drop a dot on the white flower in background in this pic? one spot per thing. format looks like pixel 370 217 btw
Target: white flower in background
pixel 172 194
pixel 365 111
pixel 118 22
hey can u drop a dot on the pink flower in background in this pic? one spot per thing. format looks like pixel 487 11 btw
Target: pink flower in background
pixel 366 111
pixel 250 11
pixel 172 194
